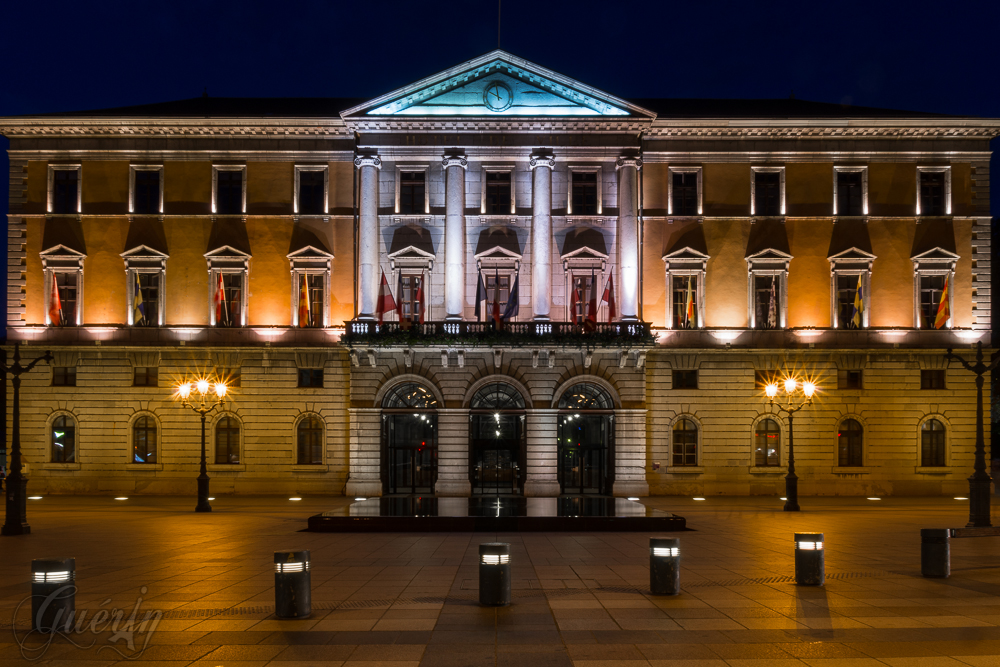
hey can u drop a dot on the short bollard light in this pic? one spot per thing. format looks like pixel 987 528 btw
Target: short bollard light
pixel 810 569
pixel 292 586
pixel 494 574
pixel 53 594
pixel 935 552
pixel 665 565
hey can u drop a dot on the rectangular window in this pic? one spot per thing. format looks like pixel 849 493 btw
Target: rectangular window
pixel 685 296
pixel 312 192
pixel 931 294
pixel 767 301
pixel 311 378
pixel 684 196
pixel 312 304
pixel 147 312
pixel 65 191
pixel 144 376
pixel 497 193
pixel 932 193
pixel 146 191
pixel 62 299
pixel 497 291
pixel 850 193
pixel 932 379
pixel 229 191
pixel 850 307
pixel 685 380
pixel 229 305
pixel 411 192
pixel 411 297
pixel 64 376
pixel 763 378
pixel 849 379
pixel 584 192
pixel 767 193
pixel 580 298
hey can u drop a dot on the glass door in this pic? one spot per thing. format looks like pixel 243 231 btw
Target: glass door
pixel 583 453
pixel 411 453
pixel 496 448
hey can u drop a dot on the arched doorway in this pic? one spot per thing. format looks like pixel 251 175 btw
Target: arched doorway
pixel 497 440
pixel 409 440
pixel 586 440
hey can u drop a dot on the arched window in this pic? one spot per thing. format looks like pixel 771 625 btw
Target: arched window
pixel 63 439
pixel 227 440
pixel 932 443
pixel 310 441
pixel 767 443
pixel 685 443
pixel 409 395
pixel 144 440
pixel 585 396
pixel 497 396
pixel 849 443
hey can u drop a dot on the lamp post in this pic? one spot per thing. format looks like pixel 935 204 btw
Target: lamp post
pixel 16 520
pixel 204 403
pixel 793 405
pixel 979 482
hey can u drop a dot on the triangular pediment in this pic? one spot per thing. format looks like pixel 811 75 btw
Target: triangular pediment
pixel 688 253
pixel 770 253
pixel 584 253
pixel 498 84
pixel 143 251
pixel 852 254
pixel 61 250
pixel 225 251
pixel 938 253
pixel 497 252
pixel 309 252
pixel 411 252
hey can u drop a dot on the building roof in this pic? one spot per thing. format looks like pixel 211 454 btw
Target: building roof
pixel 666 108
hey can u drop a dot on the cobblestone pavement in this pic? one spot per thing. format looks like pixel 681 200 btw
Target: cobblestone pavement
pixel 579 599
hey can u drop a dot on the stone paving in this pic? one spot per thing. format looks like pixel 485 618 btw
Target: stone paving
pixel 579 599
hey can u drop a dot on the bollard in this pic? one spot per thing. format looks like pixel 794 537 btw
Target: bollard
pixel 665 565
pixel 292 587
pixel 53 594
pixel 935 552
pixel 494 574
pixel 810 569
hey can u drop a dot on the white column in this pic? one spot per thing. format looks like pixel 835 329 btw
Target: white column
pixel 628 236
pixel 368 264
pixel 453 454
pixel 541 235
pixel 542 478
pixel 454 237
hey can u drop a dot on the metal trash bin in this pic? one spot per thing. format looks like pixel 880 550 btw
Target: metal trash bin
pixel 494 574
pixel 810 567
pixel 665 565
pixel 292 584
pixel 53 594
pixel 935 552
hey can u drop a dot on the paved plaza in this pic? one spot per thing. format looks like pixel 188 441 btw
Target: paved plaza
pixel 578 599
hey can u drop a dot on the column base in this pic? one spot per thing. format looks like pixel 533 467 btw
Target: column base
pixel 629 318
pixel 541 489
pixel 363 488
pixel 365 317
pixel 625 489
pixel 453 488
pixel 452 318
pixel 541 318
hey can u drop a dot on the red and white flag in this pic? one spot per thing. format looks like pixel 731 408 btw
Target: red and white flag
pixel 385 301
pixel 221 306
pixel 55 304
pixel 304 302
pixel 592 302
pixel 420 300
pixel 609 297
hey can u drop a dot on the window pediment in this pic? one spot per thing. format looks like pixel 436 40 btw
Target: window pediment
pixel 61 252
pixel 411 257
pixel 936 255
pixel 685 258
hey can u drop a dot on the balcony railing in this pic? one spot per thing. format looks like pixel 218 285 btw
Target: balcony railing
pixel 507 333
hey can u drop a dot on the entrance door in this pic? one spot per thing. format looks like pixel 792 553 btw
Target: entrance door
pixel 496 454
pixel 583 453
pixel 411 453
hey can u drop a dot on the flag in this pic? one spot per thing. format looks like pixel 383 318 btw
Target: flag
pixel 480 295
pixel 385 301
pixel 138 309
pixel 399 304
pixel 772 307
pixel 859 305
pixel 575 299
pixel 221 306
pixel 592 300
pixel 609 296
pixel 55 304
pixel 419 316
pixel 689 306
pixel 512 304
pixel 943 311
pixel 496 299
pixel 304 318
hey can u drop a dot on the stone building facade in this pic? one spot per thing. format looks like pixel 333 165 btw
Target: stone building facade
pixel 588 294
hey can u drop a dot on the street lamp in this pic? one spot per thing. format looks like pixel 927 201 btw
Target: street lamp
pixel 207 396
pixel 979 482
pixel 793 404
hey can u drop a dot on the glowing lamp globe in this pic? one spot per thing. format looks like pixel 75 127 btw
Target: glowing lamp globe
pixel 809 388
pixel 771 390
pixel 184 390
pixel 203 387
pixel 790 385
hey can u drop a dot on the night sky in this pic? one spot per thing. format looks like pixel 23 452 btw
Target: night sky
pixel 921 56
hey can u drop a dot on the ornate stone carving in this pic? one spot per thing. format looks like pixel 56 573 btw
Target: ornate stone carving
pixel 455 161
pixel 542 161
pixel 628 161
pixel 368 161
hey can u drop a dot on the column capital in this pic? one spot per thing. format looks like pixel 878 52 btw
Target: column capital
pixel 628 161
pixel 368 161
pixel 542 161
pixel 455 161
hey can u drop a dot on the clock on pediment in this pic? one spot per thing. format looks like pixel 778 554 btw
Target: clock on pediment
pixel 497 96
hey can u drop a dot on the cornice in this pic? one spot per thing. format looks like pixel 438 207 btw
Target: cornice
pixel 172 127
pixel 986 129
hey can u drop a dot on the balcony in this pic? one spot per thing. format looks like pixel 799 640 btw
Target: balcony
pixel 516 334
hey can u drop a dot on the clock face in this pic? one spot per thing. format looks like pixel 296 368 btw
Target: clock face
pixel 497 96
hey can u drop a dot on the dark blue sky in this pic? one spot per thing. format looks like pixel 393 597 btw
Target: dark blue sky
pixel 922 56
